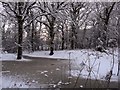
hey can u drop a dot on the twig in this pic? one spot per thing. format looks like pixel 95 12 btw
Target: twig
pixel 90 70
pixel 97 74
pixel 109 75
pixel 69 66
pixel 79 74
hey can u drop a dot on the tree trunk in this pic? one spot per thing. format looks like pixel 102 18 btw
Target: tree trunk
pixel 63 37
pixel 62 43
pixel 72 40
pixel 72 36
pixel 20 37
pixel 20 30
pixel 51 49
pixel 51 41
pixel 83 37
pixel 51 28
pixel 32 37
pixel 32 33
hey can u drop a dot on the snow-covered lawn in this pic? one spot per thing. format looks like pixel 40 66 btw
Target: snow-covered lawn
pixel 10 57
pixel 7 57
pixel 84 62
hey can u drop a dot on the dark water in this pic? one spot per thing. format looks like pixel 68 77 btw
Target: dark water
pixel 44 73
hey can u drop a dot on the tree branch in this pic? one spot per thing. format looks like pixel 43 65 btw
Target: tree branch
pixel 43 23
pixel 111 8
pixel 8 5
pixel 3 15
pixel 30 22
pixel 26 9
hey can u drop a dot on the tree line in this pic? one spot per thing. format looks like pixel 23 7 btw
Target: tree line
pixel 59 25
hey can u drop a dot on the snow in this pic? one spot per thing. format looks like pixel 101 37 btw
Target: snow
pixel 46 75
pixel 7 57
pixel 82 61
pixel 10 83
pixel 10 57
pixel 81 86
pixel 57 69
pixel 42 72
pixel 64 54
pixel 86 60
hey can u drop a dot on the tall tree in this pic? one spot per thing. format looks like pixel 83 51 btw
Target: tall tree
pixel 52 13
pixel 104 10
pixel 18 10
pixel 78 11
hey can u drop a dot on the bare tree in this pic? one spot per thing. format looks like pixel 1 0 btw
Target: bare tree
pixel 104 10
pixel 18 10
pixel 78 14
pixel 52 12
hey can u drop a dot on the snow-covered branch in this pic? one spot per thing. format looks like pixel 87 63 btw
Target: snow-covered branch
pixel 18 45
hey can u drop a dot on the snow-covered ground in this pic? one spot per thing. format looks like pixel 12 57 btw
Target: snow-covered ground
pixel 7 83
pixel 10 57
pixel 86 60
pixel 7 57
